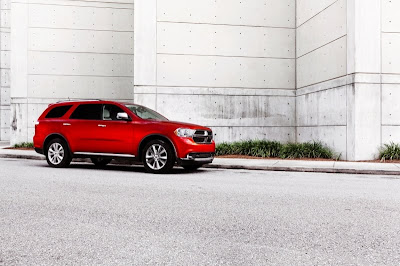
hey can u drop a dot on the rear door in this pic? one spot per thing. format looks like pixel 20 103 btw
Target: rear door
pixel 82 129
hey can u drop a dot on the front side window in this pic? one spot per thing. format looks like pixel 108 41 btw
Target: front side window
pixel 111 111
pixel 58 112
pixel 145 113
pixel 88 112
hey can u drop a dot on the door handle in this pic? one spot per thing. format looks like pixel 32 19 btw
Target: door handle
pixel 66 124
pixel 101 125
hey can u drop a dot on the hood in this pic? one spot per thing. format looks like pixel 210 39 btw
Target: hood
pixel 182 125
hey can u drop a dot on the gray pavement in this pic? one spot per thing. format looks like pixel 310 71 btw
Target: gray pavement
pixel 123 216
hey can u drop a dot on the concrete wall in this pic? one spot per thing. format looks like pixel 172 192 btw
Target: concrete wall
pixel 226 64
pixel 339 74
pixel 68 49
pixel 5 69
pixel 391 71
pixel 321 46
pixel 287 70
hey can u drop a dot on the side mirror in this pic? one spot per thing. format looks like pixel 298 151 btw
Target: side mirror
pixel 123 116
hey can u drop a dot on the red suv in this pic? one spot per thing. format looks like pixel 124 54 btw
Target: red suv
pixel 106 130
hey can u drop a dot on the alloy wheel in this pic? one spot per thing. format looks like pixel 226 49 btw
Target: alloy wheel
pixel 156 157
pixel 56 153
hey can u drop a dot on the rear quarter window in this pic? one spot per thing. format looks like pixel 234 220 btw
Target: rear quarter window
pixel 88 112
pixel 58 112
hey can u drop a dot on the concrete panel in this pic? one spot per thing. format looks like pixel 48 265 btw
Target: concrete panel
pixel 323 108
pixel 327 26
pixel 5 41
pixel 231 134
pixel 78 17
pixel 326 63
pixel 5 59
pixel 41 86
pixel 214 71
pixel 34 111
pixel 217 91
pixel 19 123
pixel 145 42
pixel 366 124
pixel 5 4
pixel 274 13
pixel 366 37
pixel 80 64
pixel 148 100
pixel 5 19
pixel 5 133
pixel 306 9
pixel 332 136
pixel 390 16
pixel 390 52
pixel 390 134
pixel 80 41
pixel 4 117
pixel 205 39
pixel 4 96
pixel 19 43
pixel 5 77
pixel 390 104
pixel 222 110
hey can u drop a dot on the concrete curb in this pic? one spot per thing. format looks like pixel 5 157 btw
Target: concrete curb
pixel 19 156
pixel 259 168
pixel 305 170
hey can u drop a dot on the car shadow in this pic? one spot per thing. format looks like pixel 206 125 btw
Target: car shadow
pixel 136 168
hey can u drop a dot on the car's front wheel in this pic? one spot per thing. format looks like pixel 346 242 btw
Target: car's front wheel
pixel 158 157
pixel 57 153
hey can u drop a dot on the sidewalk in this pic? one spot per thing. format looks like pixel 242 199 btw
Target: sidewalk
pixel 260 164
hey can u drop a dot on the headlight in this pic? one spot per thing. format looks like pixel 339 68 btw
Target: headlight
pixel 185 132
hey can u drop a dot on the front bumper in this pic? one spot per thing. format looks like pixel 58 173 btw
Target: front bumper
pixel 198 158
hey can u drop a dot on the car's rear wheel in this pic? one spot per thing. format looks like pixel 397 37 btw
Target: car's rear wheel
pixel 158 157
pixel 57 153
pixel 100 162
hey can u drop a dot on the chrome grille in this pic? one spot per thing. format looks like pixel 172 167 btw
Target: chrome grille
pixel 203 136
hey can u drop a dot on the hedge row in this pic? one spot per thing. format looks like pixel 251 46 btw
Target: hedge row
pixel 274 149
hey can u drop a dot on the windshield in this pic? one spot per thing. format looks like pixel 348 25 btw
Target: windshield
pixel 145 113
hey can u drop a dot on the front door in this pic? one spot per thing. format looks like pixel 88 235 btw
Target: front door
pixel 116 136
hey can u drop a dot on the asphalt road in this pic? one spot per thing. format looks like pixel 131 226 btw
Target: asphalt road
pixel 121 215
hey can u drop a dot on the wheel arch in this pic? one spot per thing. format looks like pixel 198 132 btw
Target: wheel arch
pixel 55 136
pixel 151 137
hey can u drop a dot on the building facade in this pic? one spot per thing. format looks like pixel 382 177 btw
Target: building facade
pixel 286 70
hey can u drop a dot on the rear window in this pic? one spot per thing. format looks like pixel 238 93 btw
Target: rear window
pixel 88 112
pixel 58 111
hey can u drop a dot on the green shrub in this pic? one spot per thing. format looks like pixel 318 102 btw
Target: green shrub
pixel 24 145
pixel 274 149
pixel 390 152
pixel 306 150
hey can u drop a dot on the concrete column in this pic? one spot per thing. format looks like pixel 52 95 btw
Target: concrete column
pixel 364 79
pixel 145 91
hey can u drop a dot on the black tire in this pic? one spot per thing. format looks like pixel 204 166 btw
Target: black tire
pixel 192 167
pixel 101 162
pixel 158 157
pixel 57 153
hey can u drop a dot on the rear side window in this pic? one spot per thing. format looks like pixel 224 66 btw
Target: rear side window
pixel 88 112
pixel 58 111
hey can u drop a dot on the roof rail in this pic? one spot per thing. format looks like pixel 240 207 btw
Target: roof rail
pixel 76 100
